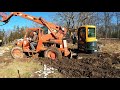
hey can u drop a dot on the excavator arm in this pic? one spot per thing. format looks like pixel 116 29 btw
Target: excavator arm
pixel 57 31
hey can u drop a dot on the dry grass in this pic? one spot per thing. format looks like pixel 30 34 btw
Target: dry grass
pixel 111 46
pixel 25 69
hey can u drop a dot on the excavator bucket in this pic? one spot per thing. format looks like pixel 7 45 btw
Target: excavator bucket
pixel 3 16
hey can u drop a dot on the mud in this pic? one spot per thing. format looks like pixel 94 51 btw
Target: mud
pixel 97 65
pixel 101 66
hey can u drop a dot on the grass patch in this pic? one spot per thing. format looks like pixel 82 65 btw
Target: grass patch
pixel 111 46
pixel 25 68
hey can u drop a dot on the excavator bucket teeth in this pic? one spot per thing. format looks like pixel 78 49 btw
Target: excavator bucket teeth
pixel 3 16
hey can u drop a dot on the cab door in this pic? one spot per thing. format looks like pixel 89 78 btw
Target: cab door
pixel 81 37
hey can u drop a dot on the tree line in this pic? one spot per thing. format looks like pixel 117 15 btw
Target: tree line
pixel 11 35
pixel 107 23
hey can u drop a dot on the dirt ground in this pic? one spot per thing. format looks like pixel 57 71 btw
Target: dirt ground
pixel 105 64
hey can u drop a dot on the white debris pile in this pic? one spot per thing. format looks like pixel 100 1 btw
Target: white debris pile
pixel 80 58
pixel 46 71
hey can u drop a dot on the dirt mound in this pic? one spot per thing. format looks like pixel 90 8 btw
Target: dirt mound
pixel 100 67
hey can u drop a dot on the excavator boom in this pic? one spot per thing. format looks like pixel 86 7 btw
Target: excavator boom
pixel 54 29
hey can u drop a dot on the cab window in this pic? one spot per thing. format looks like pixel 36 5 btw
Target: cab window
pixel 91 32
pixel 45 29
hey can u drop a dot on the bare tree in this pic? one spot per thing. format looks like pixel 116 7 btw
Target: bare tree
pixel 117 15
pixel 75 19
pixel 104 21
pixel 107 22
pixel 67 19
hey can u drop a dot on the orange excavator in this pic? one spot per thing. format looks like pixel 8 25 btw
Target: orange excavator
pixel 53 44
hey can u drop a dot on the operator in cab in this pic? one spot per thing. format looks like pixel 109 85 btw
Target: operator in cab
pixel 33 41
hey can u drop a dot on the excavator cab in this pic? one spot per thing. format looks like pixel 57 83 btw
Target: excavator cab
pixel 87 38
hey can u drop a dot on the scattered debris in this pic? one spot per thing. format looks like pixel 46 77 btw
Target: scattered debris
pixel 46 71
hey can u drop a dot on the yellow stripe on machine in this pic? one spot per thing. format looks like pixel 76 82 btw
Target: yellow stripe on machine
pixel 91 39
